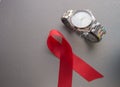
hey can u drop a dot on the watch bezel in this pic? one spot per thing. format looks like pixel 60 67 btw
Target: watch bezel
pixel 87 28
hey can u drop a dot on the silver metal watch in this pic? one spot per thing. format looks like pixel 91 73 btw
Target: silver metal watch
pixel 84 22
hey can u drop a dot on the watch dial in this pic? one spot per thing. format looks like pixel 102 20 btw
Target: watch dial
pixel 81 19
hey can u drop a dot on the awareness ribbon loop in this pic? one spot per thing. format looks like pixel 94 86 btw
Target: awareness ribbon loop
pixel 59 46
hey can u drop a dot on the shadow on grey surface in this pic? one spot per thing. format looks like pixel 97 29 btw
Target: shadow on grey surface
pixel 114 68
pixel 90 45
pixel 67 29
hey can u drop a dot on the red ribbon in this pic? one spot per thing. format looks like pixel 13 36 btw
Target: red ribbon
pixel 59 46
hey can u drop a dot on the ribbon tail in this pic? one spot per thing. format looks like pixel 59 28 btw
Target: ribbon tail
pixel 85 70
pixel 65 72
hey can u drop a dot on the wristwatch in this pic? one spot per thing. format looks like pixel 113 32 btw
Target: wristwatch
pixel 84 22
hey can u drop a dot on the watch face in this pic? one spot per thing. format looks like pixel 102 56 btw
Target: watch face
pixel 81 19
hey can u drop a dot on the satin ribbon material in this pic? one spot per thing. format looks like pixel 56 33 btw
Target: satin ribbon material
pixel 59 46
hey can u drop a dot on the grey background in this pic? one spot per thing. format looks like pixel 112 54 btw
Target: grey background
pixel 25 60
